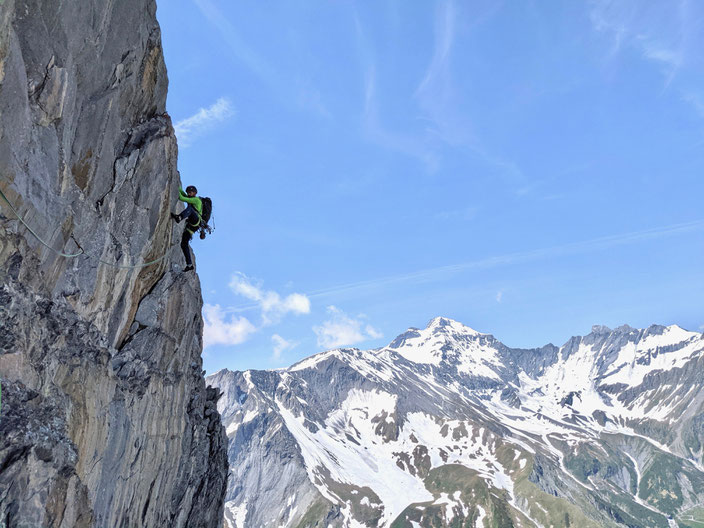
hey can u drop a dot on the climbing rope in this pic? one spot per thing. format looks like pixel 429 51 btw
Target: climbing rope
pixel 73 255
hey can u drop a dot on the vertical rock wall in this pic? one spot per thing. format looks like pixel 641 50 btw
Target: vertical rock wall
pixel 105 418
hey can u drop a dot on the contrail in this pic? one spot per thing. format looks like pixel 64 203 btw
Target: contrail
pixel 574 248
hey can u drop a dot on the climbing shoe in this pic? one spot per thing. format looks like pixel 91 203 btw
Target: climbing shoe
pixel 188 268
pixel 175 217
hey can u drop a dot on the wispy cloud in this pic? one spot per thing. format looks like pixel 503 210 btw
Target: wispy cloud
pixel 290 89
pixel 375 129
pixel 436 94
pixel 466 213
pixel 650 28
pixel 188 129
pixel 280 345
pixel 342 330
pixel 438 70
pixel 272 305
pixel 696 101
pixel 668 34
pixel 499 296
pixel 576 248
pixel 241 51
pixel 379 133
pixel 440 103
pixel 218 329
pixel 309 98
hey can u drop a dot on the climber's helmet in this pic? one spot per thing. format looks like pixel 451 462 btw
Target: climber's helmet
pixel 191 189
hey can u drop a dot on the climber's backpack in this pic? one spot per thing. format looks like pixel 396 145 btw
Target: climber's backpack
pixel 205 216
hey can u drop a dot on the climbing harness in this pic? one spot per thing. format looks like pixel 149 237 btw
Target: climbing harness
pixel 203 219
pixel 82 252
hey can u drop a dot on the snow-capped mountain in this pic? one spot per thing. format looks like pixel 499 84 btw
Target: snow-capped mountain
pixel 446 426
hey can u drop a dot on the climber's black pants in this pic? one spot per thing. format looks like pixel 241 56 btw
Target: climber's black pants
pixel 185 239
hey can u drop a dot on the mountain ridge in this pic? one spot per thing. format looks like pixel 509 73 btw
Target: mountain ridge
pixel 591 420
pixel 596 330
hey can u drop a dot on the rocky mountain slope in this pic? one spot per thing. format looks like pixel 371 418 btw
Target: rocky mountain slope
pixel 446 426
pixel 106 419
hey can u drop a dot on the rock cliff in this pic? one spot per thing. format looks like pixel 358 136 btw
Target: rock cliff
pixel 106 419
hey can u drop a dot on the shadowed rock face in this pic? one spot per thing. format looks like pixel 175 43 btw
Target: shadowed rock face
pixel 105 418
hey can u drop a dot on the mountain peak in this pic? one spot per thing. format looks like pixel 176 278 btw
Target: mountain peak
pixel 448 342
pixel 601 329
pixel 447 324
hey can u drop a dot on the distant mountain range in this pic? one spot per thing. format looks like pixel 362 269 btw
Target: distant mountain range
pixel 447 426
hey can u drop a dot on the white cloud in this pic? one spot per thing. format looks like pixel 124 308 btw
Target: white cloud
pixel 342 330
pixel 372 332
pixel 499 296
pixel 219 331
pixel 191 127
pixel 280 344
pixel 221 327
pixel 273 306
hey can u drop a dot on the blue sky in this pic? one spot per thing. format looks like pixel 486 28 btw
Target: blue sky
pixel 527 168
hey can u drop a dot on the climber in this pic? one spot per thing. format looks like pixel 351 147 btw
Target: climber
pixel 192 214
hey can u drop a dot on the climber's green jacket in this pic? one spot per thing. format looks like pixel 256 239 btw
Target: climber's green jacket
pixel 195 201
pixel 195 205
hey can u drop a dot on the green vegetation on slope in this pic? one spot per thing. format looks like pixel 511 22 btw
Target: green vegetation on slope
pixel 316 514
pixel 459 484
pixel 693 518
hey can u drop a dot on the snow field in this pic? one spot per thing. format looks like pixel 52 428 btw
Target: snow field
pixel 626 368
pixel 371 462
pixel 470 357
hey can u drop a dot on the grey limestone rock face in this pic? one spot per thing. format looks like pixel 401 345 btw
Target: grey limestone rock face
pixel 106 419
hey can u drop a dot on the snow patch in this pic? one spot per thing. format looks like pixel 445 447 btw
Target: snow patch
pixel 479 522
pixel 449 504
pixel 238 514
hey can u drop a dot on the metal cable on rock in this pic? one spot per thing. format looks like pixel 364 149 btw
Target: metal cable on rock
pixel 67 255
pixel 82 252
